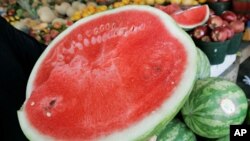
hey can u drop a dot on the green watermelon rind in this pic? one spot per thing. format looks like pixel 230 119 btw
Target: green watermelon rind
pixel 176 130
pixel 205 123
pixel 204 67
pixel 225 138
pixel 156 121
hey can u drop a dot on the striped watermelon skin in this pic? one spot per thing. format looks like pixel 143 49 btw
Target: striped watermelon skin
pixel 225 138
pixel 203 65
pixel 176 130
pixel 214 105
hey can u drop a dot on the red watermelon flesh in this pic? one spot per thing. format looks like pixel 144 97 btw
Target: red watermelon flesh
pixel 104 75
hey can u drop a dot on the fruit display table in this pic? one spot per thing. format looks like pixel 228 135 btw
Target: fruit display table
pixel 230 67
pixel 217 70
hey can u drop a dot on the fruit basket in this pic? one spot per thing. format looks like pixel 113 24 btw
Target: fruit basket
pixel 219 7
pixel 234 44
pixel 215 51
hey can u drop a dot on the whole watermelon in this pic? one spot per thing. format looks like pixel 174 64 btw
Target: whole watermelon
pixel 214 105
pixel 176 130
pixel 203 65
pixel 225 138
pixel 248 114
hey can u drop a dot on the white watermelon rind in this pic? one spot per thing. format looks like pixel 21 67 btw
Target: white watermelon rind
pixel 154 122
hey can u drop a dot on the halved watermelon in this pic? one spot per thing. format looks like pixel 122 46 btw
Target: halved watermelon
pixel 118 75
pixel 192 17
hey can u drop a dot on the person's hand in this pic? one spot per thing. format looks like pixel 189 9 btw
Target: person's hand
pixel 246 80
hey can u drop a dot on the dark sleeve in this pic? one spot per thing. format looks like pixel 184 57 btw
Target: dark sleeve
pixel 18 54
pixel 24 47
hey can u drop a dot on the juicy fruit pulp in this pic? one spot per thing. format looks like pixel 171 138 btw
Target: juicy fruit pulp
pixel 103 75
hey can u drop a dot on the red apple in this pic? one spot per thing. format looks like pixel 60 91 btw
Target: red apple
pixel 225 23
pixel 247 16
pixel 230 32
pixel 214 21
pixel 219 34
pixel 237 26
pixel 229 16
pixel 241 17
pixel 200 31
pixel 206 38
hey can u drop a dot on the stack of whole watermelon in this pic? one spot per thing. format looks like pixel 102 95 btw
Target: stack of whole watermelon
pixel 213 106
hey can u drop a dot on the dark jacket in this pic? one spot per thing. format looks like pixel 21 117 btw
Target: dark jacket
pixel 18 54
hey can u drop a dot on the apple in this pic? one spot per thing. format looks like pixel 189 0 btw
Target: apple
pixel 242 18
pixel 214 21
pixel 200 31
pixel 225 23
pixel 237 26
pixel 247 16
pixel 229 16
pixel 230 32
pixel 206 38
pixel 219 34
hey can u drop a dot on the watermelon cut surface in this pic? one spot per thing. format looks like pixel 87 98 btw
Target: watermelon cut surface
pixel 118 75
pixel 192 17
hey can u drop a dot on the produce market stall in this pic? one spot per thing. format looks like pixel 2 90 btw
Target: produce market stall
pixel 133 69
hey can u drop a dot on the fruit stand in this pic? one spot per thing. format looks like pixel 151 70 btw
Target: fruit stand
pixel 184 89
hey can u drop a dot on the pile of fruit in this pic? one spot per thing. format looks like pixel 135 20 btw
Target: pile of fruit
pixel 220 28
pixel 25 15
